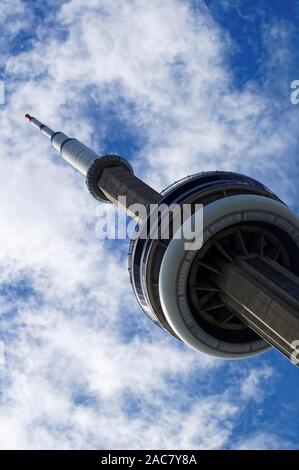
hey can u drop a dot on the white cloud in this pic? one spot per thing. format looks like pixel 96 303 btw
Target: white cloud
pixel 250 387
pixel 265 441
pixel 58 359
pixel 167 64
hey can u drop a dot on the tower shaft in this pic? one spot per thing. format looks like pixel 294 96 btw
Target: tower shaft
pixel 266 297
pixel 116 181
pixel 194 295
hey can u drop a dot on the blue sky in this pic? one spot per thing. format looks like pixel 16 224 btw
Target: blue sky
pixel 176 87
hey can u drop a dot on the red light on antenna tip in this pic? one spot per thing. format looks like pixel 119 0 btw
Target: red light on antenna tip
pixel 27 116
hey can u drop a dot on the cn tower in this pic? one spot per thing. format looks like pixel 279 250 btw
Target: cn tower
pixel 236 296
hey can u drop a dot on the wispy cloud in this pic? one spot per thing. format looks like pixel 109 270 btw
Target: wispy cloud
pixel 73 377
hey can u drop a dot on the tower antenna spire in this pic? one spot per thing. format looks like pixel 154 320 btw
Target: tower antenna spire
pixel 42 127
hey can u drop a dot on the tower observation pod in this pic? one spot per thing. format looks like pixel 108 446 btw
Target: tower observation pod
pixel 235 296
